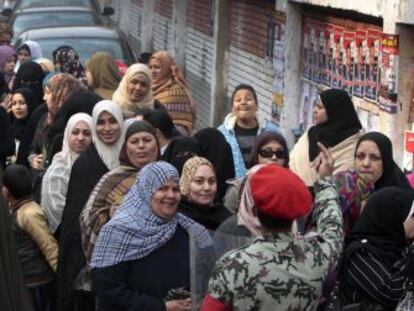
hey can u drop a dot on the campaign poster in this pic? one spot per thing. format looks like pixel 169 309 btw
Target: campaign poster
pixel 388 93
pixel 348 61
pixel 359 65
pixel 330 51
pixel 309 96
pixel 306 50
pixel 338 57
pixel 372 58
pixel 323 66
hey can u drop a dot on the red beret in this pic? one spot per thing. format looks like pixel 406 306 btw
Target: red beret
pixel 278 192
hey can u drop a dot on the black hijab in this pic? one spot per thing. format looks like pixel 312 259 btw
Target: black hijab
pixel 30 75
pixel 342 121
pixel 180 150
pixel 392 174
pixel 215 148
pixel 19 125
pixel 381 223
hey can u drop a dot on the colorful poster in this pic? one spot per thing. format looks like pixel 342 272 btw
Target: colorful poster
pixel 359 66
pixel 388 93
pixel 372 57
pixel 337 57
pixel 316 44
pixel 309 96
pixel 306 50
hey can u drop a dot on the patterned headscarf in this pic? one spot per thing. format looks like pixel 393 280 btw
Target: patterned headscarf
pixel 135 231
pixel 61 87
pixel 189 169
pixel 70 63
pixel 121 94
pixel 170 73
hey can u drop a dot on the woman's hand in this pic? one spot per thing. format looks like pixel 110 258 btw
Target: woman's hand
pixel 178 305
pixel 324 162
pixel 7 102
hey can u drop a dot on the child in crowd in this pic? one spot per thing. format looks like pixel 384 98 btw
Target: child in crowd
pixel 36 247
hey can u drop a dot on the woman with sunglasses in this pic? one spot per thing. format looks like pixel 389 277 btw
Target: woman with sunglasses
pixel 270 147
pixel 337 127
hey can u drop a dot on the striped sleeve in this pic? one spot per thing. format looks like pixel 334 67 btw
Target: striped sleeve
pixel 371 277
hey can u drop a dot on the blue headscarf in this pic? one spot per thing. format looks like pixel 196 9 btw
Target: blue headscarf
pixel 135 231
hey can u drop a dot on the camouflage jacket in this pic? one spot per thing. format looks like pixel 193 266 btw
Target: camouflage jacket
pixel 282 272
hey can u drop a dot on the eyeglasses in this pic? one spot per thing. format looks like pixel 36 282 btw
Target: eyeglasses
pixel 268 153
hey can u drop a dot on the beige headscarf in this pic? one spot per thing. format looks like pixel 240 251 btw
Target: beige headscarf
pixel 105 74
pixel 189 169
pixel 121 96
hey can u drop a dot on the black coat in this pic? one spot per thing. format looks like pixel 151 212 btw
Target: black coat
pixel 7 146
pixel 86 172
pixel 142 284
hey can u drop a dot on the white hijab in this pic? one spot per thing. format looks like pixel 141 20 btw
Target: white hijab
pixel 67 154
pixel 121 94
pixel 35 52
pixel 108 153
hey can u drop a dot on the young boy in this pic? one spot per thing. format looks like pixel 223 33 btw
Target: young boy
pixel 36 247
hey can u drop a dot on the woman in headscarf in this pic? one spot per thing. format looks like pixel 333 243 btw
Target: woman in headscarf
pixel 180 150
pixel 28 51
pixel 337 127
pixel 57 92
pixel 378 259
pixel 100 157
pixel 80 100
pixel 149 231
pixel 8 58
pixel 76 139
pixel 374 159
pixel 66 60
pixel 102 74
pixel 215 148
pixel 198 184
pixel 22 106
pixel 14 294
pixel 139 149
pixel 243 125
pixel 6 137
pixel 171 90
pixel 135 91
pixel 270 147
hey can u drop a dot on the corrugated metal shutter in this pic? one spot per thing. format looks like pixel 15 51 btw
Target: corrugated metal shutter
pixel 163 29
pixel 199 56
pixel 248 51
pixel 135 24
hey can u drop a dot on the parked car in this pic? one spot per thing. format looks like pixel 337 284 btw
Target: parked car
pixel 23 4
pixel 40 17
pixel 85 40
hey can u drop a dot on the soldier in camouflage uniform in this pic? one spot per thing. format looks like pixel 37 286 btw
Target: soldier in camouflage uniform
pixel 281 271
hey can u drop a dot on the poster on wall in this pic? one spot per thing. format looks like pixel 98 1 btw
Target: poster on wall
pixel 278 58
pixel 329 51
pixel 306 51
pixel 348 61
pixel 388 93
pixel 338 53
pixel 309 96
pixel 359 66
pixel 318 51
pixel 372 53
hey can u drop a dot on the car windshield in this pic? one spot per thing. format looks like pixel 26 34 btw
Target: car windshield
pixel 52 19
pixel 84 46
pixel 33 3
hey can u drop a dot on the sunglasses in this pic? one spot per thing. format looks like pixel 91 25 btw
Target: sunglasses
pixel 268 153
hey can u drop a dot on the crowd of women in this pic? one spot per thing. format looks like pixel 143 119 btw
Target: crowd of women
pixel 106 182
